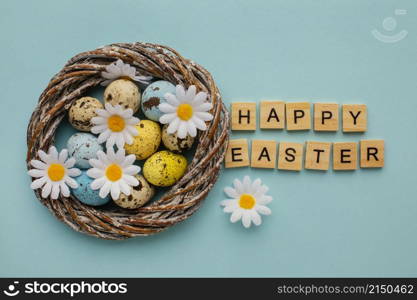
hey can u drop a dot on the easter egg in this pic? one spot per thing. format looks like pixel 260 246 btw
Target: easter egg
pixel 83 147
pixel 81 112
pixel 153 96
pixel 164 168
pixel 85 193
pixel 174 143
pixel 147 141
pixel 123 92
pixel 139 194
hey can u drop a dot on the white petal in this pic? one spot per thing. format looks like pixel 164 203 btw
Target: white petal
pixel 98 183
pixel 36 184
pixel 69 163
pixel 262 209
pixel 127 137
pixel 127 113
pixel 172 99
pixel 37 173
pixel 130 180
pixel 132 130
pixel 99 120
pixel 53 153
pixel 104 136
pixel 99 128
pixel 63 155
pixel 190 94
pixel 130 159
pixel 246 219
pixel 199 99
pixel 105 189
pixel 70 182
pixel 167 118
pixel 111 141
pixel 238 186
pixel 120 141
pixel 120 155
pixel 204 108
pixel 131 170
pixel 231 192
pixel 38 164
pixel 46 190
pixel 180 93
pixel 115 190
pixel 247 184
pixel 182 130
pixel 236 215
pixel 167 108
pixel 124 188
pixel 256 184
pixel 103 157
pixel 265 199
pixel 230 208
pixel 74 172
pixel 64 189
pixel 44 157
pixel 95 163
pixel 103 113
pixel 110 108
pixel 228 202
pixel 204 116
pixel 199 123
pixel 192 130
pixel 173 126
pixel 256 218
pixel 95 173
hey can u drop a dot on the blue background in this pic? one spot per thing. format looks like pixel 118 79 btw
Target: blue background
pixel 360 223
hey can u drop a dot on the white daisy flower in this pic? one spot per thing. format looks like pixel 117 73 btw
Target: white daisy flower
pixel 115 125
pixel 249 199
pixel 185 112
pixel 119 69
pixel 113 173
pixel 54 173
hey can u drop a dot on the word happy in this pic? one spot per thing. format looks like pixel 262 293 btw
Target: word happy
pixel 290 155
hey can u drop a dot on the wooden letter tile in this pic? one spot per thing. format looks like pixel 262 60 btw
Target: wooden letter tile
pixel 345 156
pixel 326 116
pixel 237 154
pixel 354 117
pixel 290 156
pixel 298 116
pixel 372 153
pixel 244 116
pixel 317 155
pixel 264 154
pixel 272 115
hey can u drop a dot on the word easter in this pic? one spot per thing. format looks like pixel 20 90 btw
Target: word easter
pixel 296 116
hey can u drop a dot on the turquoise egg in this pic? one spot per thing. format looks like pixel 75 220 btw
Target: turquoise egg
pixel 85 194
pixel 153 96
pixel 83 147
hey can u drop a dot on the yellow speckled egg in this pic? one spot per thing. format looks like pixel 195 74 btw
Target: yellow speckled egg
pixel 123 92
pixel 174 143
pixel 81 112
pixel 147 141
pixel 139 195
pixel 164 168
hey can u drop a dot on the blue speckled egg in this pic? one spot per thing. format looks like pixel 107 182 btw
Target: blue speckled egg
pixel 153 96
pixel 85 194
pixel 83 146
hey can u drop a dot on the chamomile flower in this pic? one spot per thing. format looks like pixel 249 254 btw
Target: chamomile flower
pixel 53 173
pixel 113 173
pixel 185 112
pixel 115 125
pixel 248 201
pixel 119 69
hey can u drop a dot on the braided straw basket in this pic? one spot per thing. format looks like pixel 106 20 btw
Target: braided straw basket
pixel 83 72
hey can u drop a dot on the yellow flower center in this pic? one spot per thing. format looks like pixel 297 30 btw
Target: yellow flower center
pixel 114 172
pixel 116 123
pixel 247 201
pixel 56 172
pixel 185 112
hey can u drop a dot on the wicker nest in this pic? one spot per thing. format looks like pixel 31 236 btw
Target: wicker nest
pixel 83 72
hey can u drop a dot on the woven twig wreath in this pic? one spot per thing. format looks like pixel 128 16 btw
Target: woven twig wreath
pixel 81 73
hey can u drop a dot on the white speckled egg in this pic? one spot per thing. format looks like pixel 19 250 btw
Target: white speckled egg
pixel 83 147
pixel 139 195
pixel 174 143
pixel 123 92
pixel 153 96
pixel 81 112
